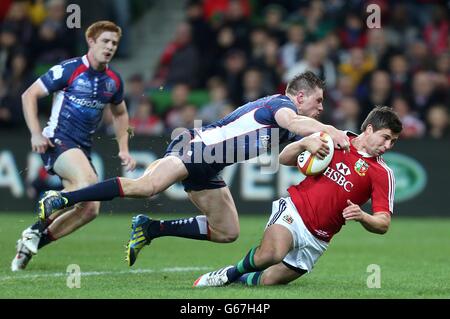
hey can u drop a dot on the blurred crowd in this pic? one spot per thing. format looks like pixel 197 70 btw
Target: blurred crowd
pixel 236 51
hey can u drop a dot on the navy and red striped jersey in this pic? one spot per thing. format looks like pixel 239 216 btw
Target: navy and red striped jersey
pixel 80 95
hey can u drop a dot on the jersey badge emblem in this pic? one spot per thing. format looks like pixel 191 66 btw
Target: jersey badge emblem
pixel 361 167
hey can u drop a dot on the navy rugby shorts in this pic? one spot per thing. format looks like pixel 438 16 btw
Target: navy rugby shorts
pixel 62 144
pixel 202 175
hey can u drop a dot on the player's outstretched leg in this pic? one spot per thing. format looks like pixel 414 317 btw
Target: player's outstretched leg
pixel 140 236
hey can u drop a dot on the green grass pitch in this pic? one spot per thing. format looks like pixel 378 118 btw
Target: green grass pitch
pixel 414 260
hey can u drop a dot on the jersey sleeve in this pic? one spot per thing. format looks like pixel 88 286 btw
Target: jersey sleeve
pixel 383 190
pixel 56 78
pixel 278 103
pixel 117 98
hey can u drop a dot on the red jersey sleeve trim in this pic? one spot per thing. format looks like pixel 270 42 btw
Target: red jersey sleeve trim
pixel 80 69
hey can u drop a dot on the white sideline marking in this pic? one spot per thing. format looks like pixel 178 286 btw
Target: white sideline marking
pixel 102 273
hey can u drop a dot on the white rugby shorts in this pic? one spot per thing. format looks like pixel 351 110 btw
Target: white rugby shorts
pixel 307 248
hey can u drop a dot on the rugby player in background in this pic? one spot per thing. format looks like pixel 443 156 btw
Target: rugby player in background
pixel 82 87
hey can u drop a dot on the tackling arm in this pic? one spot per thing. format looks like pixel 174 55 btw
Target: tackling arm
pixel 315 145
pixel 303 126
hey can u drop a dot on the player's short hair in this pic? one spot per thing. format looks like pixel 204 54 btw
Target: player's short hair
pixel 97 28
pixel 306 82
pixel 382 117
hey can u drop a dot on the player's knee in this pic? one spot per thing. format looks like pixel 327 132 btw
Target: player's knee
pixel 141 187
pixel 225 236
pixel 269 256
pixel 231 237
pixel 90 210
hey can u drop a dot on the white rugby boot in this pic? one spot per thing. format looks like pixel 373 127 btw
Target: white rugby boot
pixel 214 278
pixel 30 239
pixel 22 257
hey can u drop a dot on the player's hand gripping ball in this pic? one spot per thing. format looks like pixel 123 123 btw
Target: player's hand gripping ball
pixel 309 164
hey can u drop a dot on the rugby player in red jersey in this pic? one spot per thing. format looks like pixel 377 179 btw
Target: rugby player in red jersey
pixel 302 225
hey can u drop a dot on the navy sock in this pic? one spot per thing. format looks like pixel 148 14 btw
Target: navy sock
pixel 246 265
pixel 46 238
pixel 39 225
pixel 251 279
pixel 103 191
pixel 194 228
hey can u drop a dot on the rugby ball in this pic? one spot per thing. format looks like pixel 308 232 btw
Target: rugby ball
pixel 309 164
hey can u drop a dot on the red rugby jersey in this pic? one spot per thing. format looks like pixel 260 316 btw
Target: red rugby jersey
pixel 321 199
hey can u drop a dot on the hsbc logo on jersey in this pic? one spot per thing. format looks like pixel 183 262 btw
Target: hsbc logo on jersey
pixel 338 176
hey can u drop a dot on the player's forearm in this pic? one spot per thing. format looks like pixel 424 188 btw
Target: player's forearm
pixel 378 224
pixel 30 113
pixel 121 129
pixel 290 153
pixel 302 125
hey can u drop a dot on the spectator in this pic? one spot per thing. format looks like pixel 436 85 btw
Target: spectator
pixel 8 41
pixel 273 18
pixel 413 127
pixel 144 121
pixel 378 48
pixel 180 60
pixel 442 76
pixel 218 104
pixel 343 89
pixel 422 94
pixel 16 80
pixel 37 12
pixel 400 75
pixel 172 115
pixel 316 61
pixel 18 21
pixel 232 73
pixel 347 115
pixel 135 91
pixel 54 41
pixel 225 42
pixel 438 122
pixel 418 56
pixel 202 38
pixel 436 33
pixel 201 31
pixel 270 66
pixel 359 64
pixel 333 45
pixel 292 51
pixel 400 31
pixel 236 18
pixel 378 93
pixel 258 40
pixel 316 24
pixel 253 88
pixel 353 34
pixel 188 114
